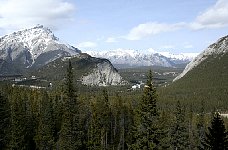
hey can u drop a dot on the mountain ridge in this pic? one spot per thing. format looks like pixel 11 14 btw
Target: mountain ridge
pixel 217 48
pixel 136 58
pixel 206 80
pixel 29 46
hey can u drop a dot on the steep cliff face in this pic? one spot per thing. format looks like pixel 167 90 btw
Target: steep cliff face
pixel 102 75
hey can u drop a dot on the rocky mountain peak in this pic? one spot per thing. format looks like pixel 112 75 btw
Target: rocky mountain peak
pixel 33 47
pixel 30 37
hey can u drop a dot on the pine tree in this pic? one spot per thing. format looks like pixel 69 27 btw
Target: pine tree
pixel 119 111
pixel 30 122
pixel 217 137
pixel 164 126
pixel 192 136
pixel 22 121
pixel 45 131
pixel 18 122
pixel 57 113
pixel 4 121
pixel 94 130
pixel 148 133
pixel 179 132
pixel 70 134
pixel 201 127
pixel 106 117
pixel 123 116
pixel 99 131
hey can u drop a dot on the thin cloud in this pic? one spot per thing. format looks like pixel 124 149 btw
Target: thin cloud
pixel 214 17
pixel 151 28
pixel 26 13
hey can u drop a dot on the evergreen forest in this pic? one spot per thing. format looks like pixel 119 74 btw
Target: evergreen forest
pixel 69 118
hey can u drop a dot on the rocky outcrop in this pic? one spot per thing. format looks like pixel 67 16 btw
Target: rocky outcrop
pixel 103 75
pixel 87 70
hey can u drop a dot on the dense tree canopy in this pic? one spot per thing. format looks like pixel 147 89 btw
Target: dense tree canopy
pixel 68 118
pixel 217 136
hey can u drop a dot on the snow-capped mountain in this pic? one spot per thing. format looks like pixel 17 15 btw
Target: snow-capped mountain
pixel 33 48
pixel 217 49
pixel 135 58
pixel 38 52
pixel 179 58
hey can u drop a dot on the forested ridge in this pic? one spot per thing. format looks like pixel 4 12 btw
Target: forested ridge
pixel 65 118
pixel 207 81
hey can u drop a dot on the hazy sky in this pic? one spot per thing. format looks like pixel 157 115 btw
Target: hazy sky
pixel 164 25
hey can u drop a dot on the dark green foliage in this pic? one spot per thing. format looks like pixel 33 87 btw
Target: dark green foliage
pixel 70 129
pixel 99 131
pixel 149 99
pixel 110 123
pixel 179 131
pixel 4 121
pixel 207 81
pixel 22 123
pixel 70 90
pixel 97 118
pixel 192 131
pixel 148 133
pixel 122 123
pixel 164 128
pixel 217 137
pixel 201 127
pixel 44 138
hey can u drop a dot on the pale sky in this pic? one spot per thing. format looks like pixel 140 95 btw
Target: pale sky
pixel 163 25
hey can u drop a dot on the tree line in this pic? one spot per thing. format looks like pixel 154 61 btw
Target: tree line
pixel 65 120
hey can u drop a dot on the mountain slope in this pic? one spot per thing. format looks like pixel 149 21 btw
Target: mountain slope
pixel 135 58
pixel 31 48
pixel 38 52
pixel 205 78
pixel 216 50
pixel 87 70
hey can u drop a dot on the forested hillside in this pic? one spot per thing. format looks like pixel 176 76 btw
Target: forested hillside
pixel 206 81
pixel 68 118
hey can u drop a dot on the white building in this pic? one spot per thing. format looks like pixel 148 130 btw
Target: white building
pixel 137 86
